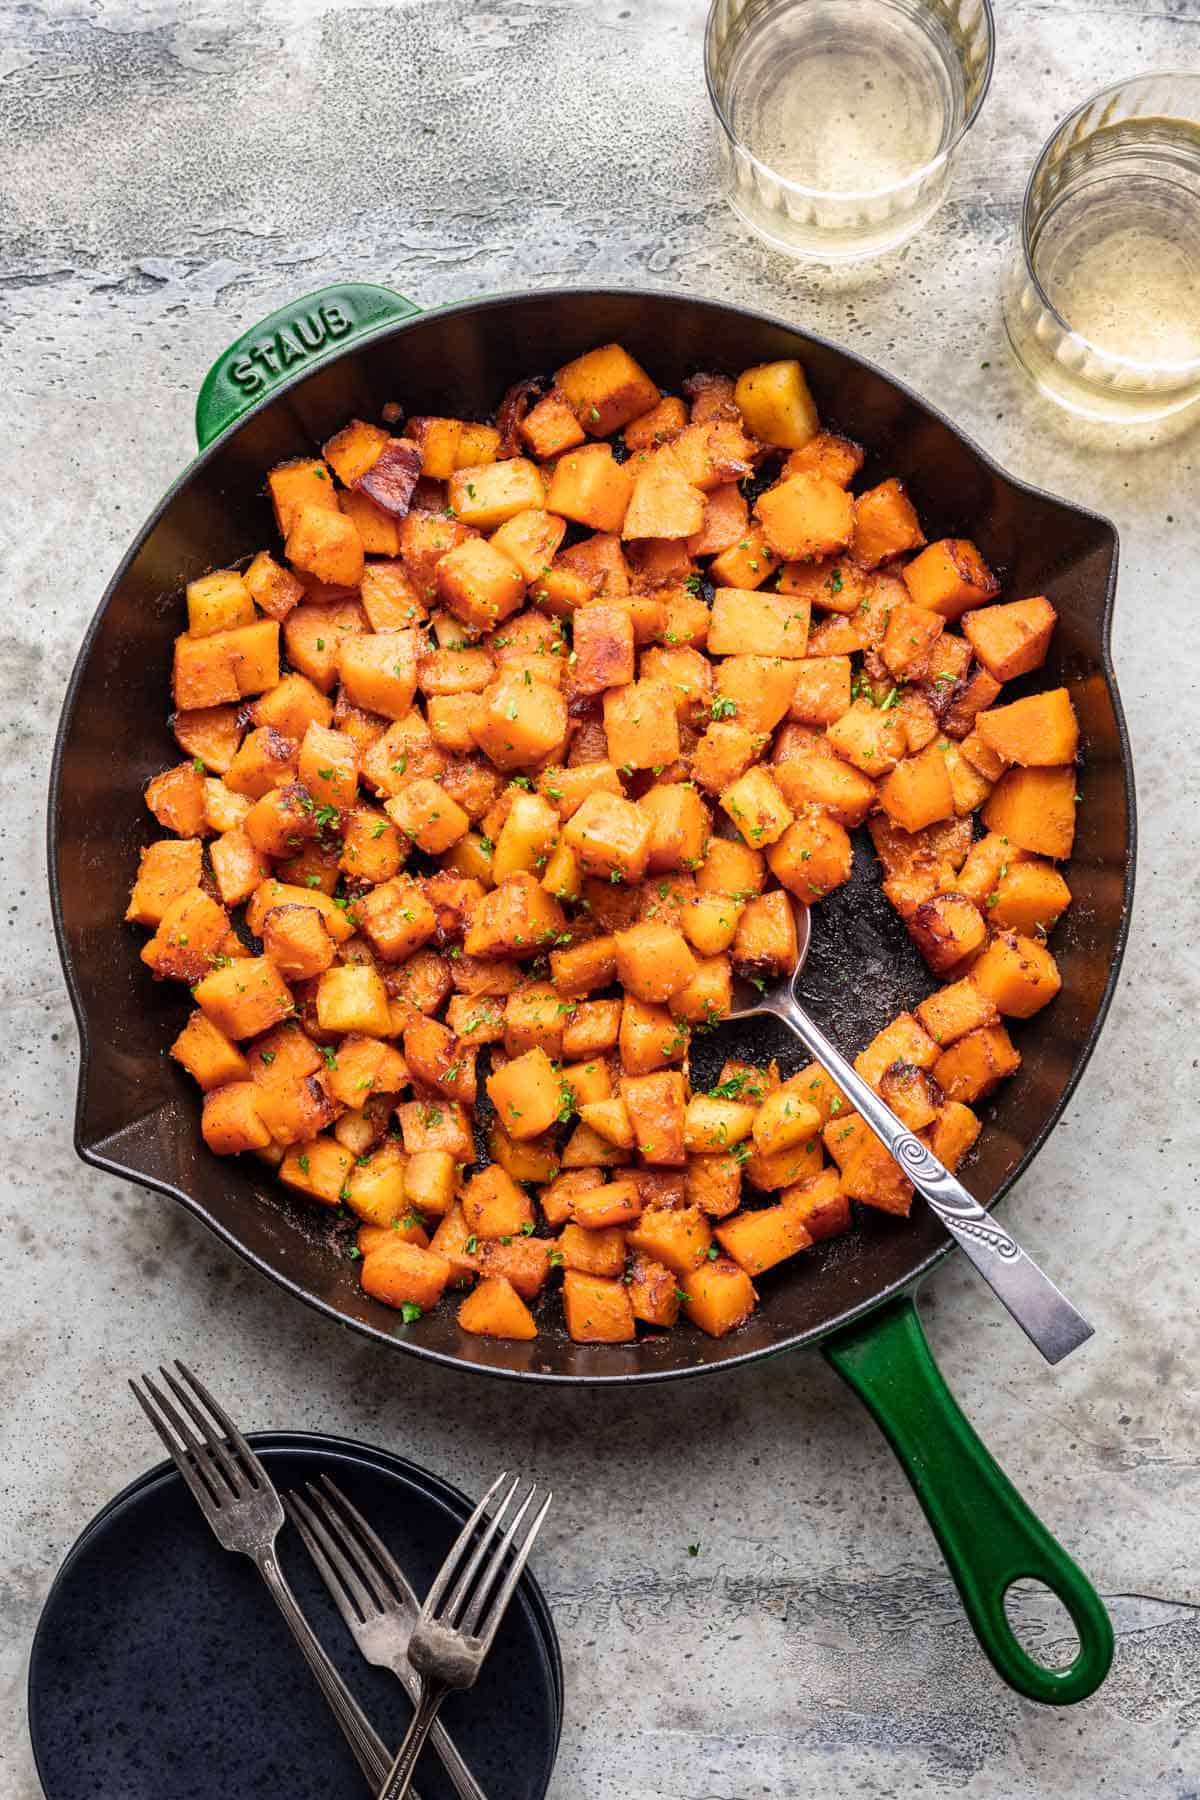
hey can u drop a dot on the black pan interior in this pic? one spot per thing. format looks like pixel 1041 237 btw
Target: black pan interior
pixel 138 1114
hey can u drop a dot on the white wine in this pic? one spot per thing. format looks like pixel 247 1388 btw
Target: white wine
pixel 1103 301
pixel 1119 255
pixel 842 115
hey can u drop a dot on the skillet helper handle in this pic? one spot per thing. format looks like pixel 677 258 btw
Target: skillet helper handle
pixel 986 1532
pixel 289 343
pixel 1042 1311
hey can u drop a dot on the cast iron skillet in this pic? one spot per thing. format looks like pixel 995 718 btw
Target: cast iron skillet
pixel 278 392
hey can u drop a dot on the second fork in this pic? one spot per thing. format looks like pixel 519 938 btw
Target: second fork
pixel 374 1597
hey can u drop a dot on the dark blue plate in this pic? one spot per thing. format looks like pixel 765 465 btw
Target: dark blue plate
pixel 161 1669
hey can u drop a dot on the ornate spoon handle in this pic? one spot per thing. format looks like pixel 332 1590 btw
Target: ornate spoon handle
pixel 1044 1314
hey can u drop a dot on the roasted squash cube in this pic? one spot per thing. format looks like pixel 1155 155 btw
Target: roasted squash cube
pixel 1035 810
pixel 653 961
pixel 494 1206
pixel 747 563
pixel 611 836
pixel 747 623
pixel 820 1205
pixel 723 754
pixel 1018 973
pixel 597 1311
pixel 806 516
pixel 404 1275
pixel 974 1065
pixel 189 939
pixel 218 602
pixel 489 494
pixel 296 941
pixel 591 487
pixel 166 869
pixel 605 389
pixel 759 1240
pixel 326 544
pixel 950 577
pixel 210 1058
pixel 428 816
pixel 353 998
pixel 953 1011
pixel 909 639
pixel 765 943
pixel 663 504
pixel 870 737
pixel 603 647
pixel 1029 897
pixel 918 791
pixel 527 1094
pixel 774 401
pixel 247 997
pixel 655 1104
pixel 680 1237
pixel 1038 732
pixel 885 524
pixel 822 691
pixel 517 918
pixel 496 1310
pixel 720 1296
pixel 551 427
pixel 479 583
pixel 231 1121
pixel 946 928
pixel 520 722
pixel 1013 639
pixel 379 671
pixel 757 808
pixel 814 856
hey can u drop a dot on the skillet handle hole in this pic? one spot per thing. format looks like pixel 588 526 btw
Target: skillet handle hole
pixel 1041 1624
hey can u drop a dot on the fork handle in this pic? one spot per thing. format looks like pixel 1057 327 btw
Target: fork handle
pixel 398 1780
pixel 1044 1314
pixel 370 1751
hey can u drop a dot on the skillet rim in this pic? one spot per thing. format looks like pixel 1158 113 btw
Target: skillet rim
pixel 547 1377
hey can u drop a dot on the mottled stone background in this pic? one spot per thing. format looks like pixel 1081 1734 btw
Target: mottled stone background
pixel 170 172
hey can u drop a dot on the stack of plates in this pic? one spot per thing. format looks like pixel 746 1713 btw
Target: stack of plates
pixel 162 1671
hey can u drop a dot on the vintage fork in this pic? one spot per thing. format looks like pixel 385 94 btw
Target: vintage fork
pixel 458 1623
pixel 374 1597
pixel 236 1495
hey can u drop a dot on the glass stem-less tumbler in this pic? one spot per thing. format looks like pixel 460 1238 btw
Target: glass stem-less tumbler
pixel 1102 299
pixel 838 121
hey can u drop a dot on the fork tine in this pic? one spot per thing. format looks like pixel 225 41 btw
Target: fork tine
pixel 216 1449
pixel 491 1574
pixel 383 1558
pixel 348 1546
pixel 302 1518
pixel 201 1493
pixel 458 1594
pixel 258 1475
pixel 491 1624
pixel 204 1466
pixel 441 1580
pixel 360 1589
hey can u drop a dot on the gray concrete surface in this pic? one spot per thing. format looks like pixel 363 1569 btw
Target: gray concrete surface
pixel 170 172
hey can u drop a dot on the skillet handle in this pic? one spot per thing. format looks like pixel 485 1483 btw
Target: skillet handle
pixel 288 343
pixel 986 1532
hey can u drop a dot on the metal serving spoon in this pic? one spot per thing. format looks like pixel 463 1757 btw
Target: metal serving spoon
pixel 1044 1314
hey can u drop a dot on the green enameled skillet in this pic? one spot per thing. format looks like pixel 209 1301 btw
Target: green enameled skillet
pixel 278 392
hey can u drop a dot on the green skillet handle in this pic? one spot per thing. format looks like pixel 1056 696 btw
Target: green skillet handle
pixel 289 343
pixel 987 1534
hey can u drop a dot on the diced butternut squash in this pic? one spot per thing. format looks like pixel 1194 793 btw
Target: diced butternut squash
pixel 641 726
pixel 805 517
pixel 775 402
pixel 1035 810
pixel 591 487
pixel 1018 973
pixel 946 928
pixel 605 389
pixel 1013 639
pixel 885 524
pixel 918 791
pixel 758 1240
pixel 404 1275
pixel 720 1296
pixel 975 1063
pixel 597 1311
pixel 950 577
pixel 1038 732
